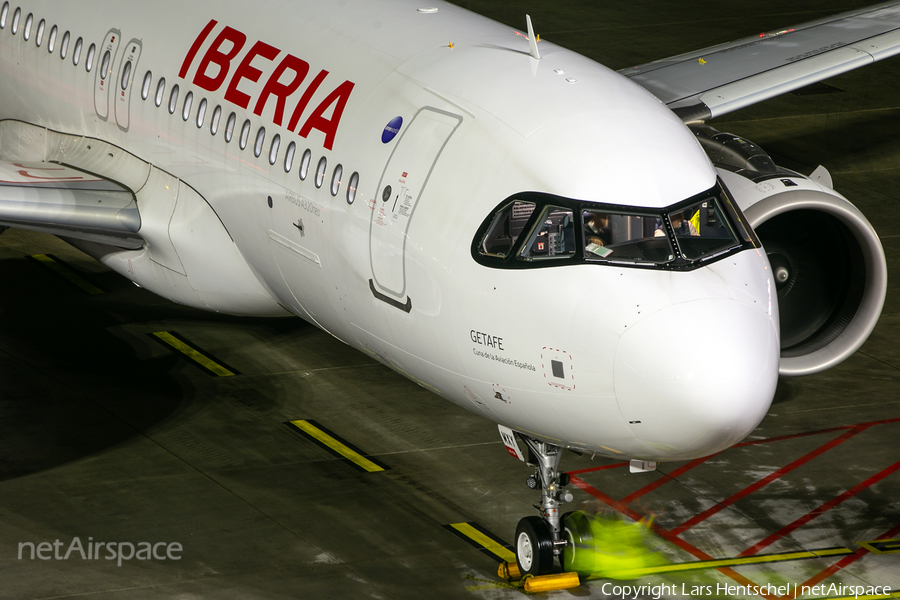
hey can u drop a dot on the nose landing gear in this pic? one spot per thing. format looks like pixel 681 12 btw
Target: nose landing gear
pixel 540 540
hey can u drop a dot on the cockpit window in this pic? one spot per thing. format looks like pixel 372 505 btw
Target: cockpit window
pixel 552 237
pixel 534 230
pixel 624 237
pixel 701 229
pixel 505 228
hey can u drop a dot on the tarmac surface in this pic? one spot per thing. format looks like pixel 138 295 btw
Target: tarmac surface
pixel 108 435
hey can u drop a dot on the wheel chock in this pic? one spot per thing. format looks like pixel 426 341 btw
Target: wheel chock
pixel 549 583
pixel 508 571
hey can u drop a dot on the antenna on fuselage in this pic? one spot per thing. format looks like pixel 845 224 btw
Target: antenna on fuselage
pixel 532 40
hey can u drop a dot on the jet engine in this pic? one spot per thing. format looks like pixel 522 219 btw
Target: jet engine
pixel 827 261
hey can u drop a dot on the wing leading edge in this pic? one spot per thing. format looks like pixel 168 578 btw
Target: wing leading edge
pixel 717 80
pixel 63 201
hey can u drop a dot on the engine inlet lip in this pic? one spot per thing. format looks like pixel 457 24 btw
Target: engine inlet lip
pixel 873 297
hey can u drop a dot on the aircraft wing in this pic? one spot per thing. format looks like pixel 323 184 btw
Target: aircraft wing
pixel 64 201
pixel 717 80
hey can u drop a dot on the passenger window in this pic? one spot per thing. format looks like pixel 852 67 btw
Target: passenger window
pixel 39 36
pixel 273 149
pixel 553 235
pixel 351 188
pixel 173 99
pixel 145 87
pixel 28 21
pixel 160 91
pixel 336 179
pixel 3 14
pixel 245 134
pixel 201 113
pixel 214 124
pixel 289 157
pixel 15 24
pixel 624 237
pixel 229 127
pixel 320 171
pixel 701 230
pixel 304 163
pixel 89 62
pixel 51 43
pixel 186 110
pixel 260 139
pixel 505 229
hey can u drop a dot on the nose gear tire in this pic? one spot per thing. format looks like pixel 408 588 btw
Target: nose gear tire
pixel 534 547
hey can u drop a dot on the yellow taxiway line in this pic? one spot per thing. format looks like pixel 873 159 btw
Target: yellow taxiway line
pixel 62 270
pixel 195 355
pixel 337 446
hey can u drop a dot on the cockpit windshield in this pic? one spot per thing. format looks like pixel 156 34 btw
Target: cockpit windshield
pixel 624 237
pixel 701 229
pixel 533 229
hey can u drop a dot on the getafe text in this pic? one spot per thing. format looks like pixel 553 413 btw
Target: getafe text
pixel 486 339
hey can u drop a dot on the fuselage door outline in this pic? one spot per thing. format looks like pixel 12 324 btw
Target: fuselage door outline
pixel 408 171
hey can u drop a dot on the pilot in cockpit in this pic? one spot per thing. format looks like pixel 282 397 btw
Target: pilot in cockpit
pixel 596 229
pixel 597 234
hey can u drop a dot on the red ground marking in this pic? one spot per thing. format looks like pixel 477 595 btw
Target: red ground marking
pixel 672 535
pixel 767 480
pixel 668 477
pixel 792 436
pixel 663 533
pixel 847 560
pixel 600 468
pixel 821 510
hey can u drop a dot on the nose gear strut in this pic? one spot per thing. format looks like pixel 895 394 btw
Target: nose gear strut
pixel 539 540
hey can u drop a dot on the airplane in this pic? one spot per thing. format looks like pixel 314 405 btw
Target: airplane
pixel 566 250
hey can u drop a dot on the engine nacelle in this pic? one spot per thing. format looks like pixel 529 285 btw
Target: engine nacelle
pixel 827 261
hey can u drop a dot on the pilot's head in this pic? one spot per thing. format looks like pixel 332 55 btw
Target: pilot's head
pixel 598 221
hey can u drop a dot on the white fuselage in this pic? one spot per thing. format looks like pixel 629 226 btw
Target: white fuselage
pixel 659 364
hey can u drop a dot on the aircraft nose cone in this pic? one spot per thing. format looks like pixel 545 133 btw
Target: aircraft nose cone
pixel 696 378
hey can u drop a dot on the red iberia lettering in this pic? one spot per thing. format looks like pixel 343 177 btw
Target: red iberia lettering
pixel 317 119
pixel 247 71
pixel 283 82
pixel 221 59
pixel 305 98
pixel 195 47
pixel 281 91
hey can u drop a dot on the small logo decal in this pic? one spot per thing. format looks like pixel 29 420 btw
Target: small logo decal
pixel 391 129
